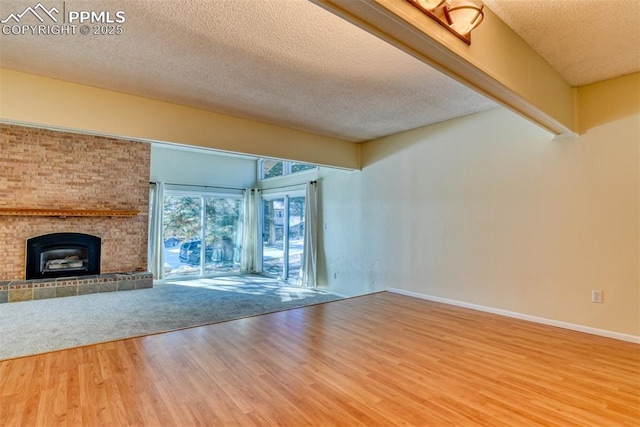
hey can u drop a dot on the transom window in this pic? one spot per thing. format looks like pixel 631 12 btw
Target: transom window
pixel 270 168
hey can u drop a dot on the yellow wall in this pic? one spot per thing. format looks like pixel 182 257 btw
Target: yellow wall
pixel 608 101
pixel 491 210
pixel 45 102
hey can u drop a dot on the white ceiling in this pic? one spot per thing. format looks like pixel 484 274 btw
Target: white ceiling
pixel 291 63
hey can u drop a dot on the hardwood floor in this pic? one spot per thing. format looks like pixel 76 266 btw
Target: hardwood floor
pixel 382 359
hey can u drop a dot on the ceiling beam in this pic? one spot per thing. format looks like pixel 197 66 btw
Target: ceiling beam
pixel 498 63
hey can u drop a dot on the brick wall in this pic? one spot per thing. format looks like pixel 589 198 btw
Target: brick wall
pixel 49 169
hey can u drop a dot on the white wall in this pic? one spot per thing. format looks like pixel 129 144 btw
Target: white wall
pixel 363 229
pixel 489 210
pixel 199 167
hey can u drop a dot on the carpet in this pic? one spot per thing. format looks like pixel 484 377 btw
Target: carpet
pixel 40 326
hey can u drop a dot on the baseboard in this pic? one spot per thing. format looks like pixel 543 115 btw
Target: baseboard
pixel 530 318
pixel 337 294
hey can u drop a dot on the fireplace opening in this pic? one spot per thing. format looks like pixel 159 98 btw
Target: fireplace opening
pixel 63 255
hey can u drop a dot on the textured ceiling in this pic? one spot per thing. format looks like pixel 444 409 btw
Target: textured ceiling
pixel 285 62
pixel 586 41
pixel 291 63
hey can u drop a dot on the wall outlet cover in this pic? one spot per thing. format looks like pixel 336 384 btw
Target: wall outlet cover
pixel 596 296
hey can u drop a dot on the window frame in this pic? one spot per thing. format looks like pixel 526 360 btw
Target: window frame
pixel 293 192
pixel 203 193
pixel 286 169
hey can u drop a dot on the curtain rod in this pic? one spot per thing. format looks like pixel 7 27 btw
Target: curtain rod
pixel 200 186
pixel 287 186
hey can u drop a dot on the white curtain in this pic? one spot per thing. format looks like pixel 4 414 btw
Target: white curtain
pixel 155 234
pixel 308 272
pixel 250 243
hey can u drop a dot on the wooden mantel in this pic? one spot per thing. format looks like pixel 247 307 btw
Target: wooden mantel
pixel 63 213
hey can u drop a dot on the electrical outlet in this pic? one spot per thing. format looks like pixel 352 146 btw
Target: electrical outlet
pixel 596 296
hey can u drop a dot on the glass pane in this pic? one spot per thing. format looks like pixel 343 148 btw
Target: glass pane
pixel 271 168
pixel 273 237
pixel 296 236
pixel 222 235
pixel 299 167
pixel 181 230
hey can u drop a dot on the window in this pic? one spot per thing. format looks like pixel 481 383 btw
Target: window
pixel 190 219
pixel 283 235
pixel 269 168
pixel 300 167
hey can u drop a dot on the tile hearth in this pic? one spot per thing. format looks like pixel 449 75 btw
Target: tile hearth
pixel 27 290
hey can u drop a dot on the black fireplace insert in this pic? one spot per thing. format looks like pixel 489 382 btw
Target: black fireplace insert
pixel 63 255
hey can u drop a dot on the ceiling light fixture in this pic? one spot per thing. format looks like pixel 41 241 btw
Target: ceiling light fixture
pixel 458 16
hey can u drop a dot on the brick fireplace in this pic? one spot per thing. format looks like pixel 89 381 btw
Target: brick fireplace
pixel 53 170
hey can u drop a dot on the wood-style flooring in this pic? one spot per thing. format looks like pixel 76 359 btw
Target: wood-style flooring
pixel 378 360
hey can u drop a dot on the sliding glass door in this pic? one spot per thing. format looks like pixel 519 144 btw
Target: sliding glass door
pixel 296 237
pixel 181 230
pixel 282 235
pixel 189 220
pixel 273 237
pixel 222 235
